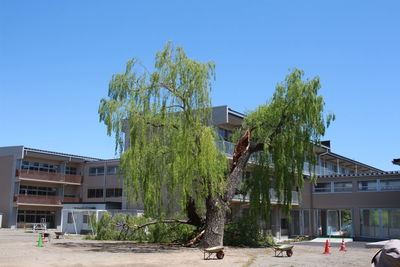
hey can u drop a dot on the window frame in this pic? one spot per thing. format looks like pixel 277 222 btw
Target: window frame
pixel 97 171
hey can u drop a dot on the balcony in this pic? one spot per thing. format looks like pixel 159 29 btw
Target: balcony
pixel 273 196
pixel 49 177
pixel 228 148
pixel 43 200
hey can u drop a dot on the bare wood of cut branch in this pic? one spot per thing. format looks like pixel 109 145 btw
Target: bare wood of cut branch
pixel 195 239
pixel 137 227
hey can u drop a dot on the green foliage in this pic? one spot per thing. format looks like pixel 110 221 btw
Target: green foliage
pixel 172 155
pixel 171 233
pixel 245 231
pixel 109 228
pixel 288 126
pixel 166 115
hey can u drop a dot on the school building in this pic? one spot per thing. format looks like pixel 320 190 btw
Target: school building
pixel 349 199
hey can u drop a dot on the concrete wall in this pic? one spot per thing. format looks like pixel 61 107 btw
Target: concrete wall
pixel 6 188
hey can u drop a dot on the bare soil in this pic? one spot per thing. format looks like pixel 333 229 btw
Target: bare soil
pixel 18 248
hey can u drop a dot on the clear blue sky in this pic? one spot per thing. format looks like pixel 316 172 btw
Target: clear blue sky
pixel 57 57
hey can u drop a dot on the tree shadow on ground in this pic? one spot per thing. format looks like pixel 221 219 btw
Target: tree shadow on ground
pixel 119 247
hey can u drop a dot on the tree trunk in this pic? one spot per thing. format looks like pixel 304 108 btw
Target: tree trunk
pixel 216 207
pixel 215 222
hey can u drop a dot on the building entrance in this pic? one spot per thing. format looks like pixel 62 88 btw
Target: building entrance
pixel 333 222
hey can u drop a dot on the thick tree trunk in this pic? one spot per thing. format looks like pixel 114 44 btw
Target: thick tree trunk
pixel 216 207
pixel 215 222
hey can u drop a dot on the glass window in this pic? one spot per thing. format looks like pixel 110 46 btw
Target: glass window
pixel 346 223
pixel 85 218
pixel 35 190
pixel 69 220
pixel 25 165
pixel 70 170
pixel 322 187
pixel 113 192
pixel 368 185
pixel 36 166
pixel 95 193
pixel 112 170
pixel 370 222
pixel 342 186
pixel 224 134
pixel 96 171
pixel 390 184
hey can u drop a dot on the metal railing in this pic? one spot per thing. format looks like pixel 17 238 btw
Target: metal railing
pixel 273 197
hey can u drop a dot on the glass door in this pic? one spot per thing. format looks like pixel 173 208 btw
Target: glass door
pixel 332 222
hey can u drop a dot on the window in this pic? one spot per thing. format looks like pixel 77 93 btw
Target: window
pixel 85 218
pixel 35 216
pixel 96 171
pixel 368 185
pixel 381 223
pixel 390 184
pixel 70 170
pixel 37 190
pixel 36 166
pixel 113 192
pixel 342 186
pixel 112 170
pixel 322 187
pixel 224 134
pixel 95 193
pixel 69 219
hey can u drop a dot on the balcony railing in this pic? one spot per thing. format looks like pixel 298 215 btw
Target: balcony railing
pixel 273 196
pixel 49 176
pixel 43 200
pixel 228 148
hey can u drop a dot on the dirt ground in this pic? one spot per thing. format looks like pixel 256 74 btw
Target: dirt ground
pixel 18 248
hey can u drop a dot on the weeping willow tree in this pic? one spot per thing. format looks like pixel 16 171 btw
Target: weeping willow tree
pixel 172 163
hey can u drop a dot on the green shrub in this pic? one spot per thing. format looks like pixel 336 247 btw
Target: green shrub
pixel 245 231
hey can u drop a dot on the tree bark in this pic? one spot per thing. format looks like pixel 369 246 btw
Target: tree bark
pixel 215 222
pixel 216 206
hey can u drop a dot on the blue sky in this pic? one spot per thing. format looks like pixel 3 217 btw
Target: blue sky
pixel 57 57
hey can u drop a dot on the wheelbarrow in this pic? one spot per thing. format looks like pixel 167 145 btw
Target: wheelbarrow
pixel 279 250
pixel 219 252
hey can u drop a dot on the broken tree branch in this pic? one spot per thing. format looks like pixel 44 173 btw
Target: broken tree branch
pixel 195 239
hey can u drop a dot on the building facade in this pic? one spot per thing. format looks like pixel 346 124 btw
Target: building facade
pixel 349 198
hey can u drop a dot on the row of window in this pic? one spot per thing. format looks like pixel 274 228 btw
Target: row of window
pixel 325 168
pixel 97 171
pixel 36 216
pixel 36 166
pixel 45 167
pixel 362 186
pixel 99 192
pixel 37 190
pixel 382 223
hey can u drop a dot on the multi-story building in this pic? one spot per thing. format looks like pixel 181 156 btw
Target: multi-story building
pixel 34 184
pixel 349 199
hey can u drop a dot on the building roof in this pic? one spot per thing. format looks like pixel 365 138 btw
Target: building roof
pixel 52 153
pixel 351 162
pixel 367 174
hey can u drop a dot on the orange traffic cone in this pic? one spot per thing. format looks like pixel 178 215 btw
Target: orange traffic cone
pixel 327 249
pixel 342 248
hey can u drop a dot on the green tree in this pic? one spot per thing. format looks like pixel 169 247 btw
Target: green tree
pixel 172 162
